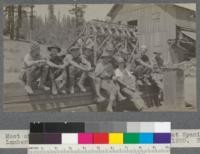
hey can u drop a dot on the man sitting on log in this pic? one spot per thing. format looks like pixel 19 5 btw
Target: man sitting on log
pixel 146 83
pixel 35 69
pixel 104 73
pixel 57 71
pixel 77 65
pixel 127 83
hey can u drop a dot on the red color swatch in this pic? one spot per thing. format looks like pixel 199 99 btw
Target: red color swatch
pixel 100 138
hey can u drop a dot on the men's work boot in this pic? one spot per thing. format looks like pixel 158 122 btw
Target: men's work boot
pixel 54 90
pixel 29 90
pixel 82 88
pixel 100 99
pixel 72 91
pixel 121 97
pixel 109 108
pixel 63 91
pixel 45 88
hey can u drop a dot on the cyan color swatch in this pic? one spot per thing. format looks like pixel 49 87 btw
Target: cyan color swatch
pixel 146 138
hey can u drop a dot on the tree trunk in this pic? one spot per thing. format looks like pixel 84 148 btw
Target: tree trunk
pixel 19 21
pixel 31 21
pixel 11 21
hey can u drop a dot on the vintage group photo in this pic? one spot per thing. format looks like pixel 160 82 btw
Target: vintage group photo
pixel 127 57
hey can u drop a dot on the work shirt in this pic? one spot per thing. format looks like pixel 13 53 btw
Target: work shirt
pixel 159 61
pixel 144 58
pixel 69 58
pixel 81 60
pixel 104 71
pixel 58 60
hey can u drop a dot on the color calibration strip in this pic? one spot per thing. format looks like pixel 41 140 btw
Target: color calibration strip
pixel 100 133
pixel 78 127
pixel 100 138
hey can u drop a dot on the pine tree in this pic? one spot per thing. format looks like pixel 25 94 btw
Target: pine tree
pixel 51 15
pixel 19 21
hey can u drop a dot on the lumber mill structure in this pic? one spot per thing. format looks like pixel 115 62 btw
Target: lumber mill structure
pixel 98 34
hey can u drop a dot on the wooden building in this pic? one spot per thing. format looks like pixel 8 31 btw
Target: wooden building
pixel 156 24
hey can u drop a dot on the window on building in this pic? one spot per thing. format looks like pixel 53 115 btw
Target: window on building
pixel 133 24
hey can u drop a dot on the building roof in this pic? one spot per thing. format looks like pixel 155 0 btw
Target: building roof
pixel 116 7
pixel 189 6
pixel 113 11
pixel 191 35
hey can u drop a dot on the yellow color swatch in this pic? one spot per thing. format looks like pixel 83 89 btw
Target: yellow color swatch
pixel 116 138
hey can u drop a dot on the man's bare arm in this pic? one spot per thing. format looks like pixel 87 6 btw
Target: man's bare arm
pixel 144 64
pixel 30 63
pixel 73 63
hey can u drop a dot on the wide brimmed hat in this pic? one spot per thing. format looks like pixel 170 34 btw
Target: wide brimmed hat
pixel 74 48
pixel 54 47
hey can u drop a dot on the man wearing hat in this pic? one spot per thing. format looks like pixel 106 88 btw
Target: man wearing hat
pixel 88 51
pixel 143 63
pixel 104 73
pixel 124 53
pixel 35 68
pixel 158 64
pixel 57 70
pixel 77 65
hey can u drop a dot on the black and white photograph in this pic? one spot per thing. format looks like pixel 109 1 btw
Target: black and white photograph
pixel 128 57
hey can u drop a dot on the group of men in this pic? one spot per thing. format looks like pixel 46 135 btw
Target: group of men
pixel 111 73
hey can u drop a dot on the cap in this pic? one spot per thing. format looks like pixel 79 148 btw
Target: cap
pixel 34 45
pixel 143 47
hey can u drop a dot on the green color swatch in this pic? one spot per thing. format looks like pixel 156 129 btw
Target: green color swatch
pixel 131 138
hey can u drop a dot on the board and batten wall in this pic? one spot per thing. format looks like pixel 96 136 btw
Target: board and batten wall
pixel 156 24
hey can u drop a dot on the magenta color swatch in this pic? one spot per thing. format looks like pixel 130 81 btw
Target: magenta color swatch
pixel 85 138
